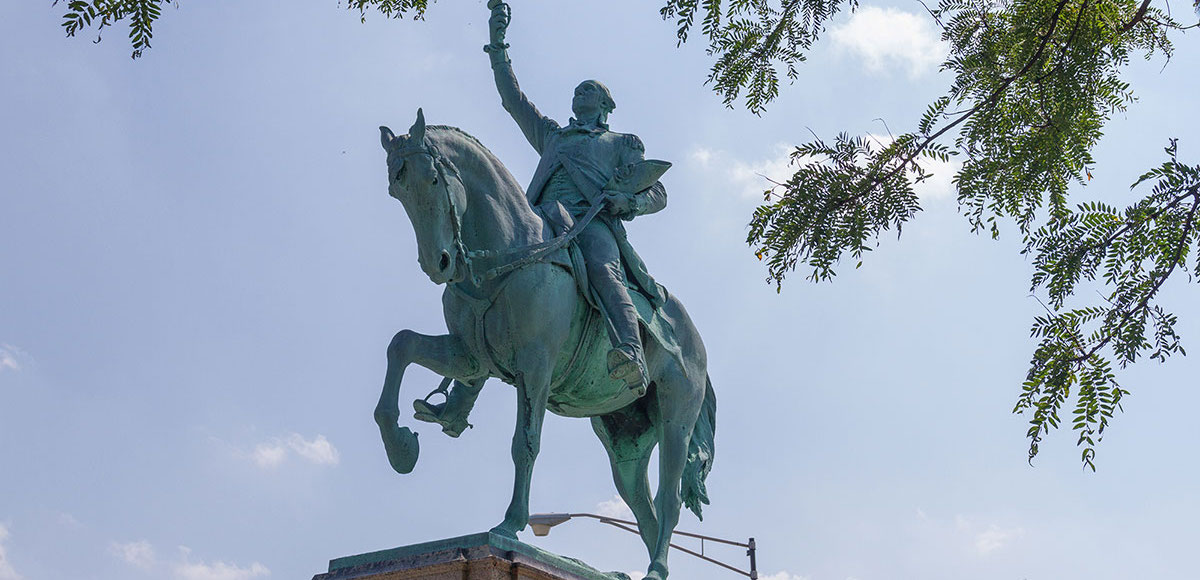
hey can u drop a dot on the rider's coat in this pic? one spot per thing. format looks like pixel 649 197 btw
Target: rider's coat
pixel 590 156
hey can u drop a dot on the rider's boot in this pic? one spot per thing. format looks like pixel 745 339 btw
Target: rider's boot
pixel 626 362
pixel 452 414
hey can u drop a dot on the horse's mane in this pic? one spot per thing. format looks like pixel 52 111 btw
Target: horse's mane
pixel 468 136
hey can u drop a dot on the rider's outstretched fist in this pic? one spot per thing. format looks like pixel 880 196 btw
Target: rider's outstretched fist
pixel 498 23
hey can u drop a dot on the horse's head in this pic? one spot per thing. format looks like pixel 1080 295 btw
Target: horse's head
pixel 434 198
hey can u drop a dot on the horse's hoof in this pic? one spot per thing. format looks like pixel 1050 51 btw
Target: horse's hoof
pixel 402 447
pixel 502 530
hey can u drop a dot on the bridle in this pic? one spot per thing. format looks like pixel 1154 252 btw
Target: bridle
pixel 536 252
pixel 440 164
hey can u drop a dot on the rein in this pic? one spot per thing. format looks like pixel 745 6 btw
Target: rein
pixel 534 252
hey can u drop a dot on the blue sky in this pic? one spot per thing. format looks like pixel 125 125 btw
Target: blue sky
pixel 200 269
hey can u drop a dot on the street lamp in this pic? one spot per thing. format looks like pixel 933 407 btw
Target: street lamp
pixel 541 524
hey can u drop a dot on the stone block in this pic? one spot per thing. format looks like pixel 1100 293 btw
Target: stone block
pixel 484 556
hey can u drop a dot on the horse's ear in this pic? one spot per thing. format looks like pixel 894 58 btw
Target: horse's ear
pixel 386 137
pixel 417 133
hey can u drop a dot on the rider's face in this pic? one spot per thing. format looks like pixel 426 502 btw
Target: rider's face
pixel 588 102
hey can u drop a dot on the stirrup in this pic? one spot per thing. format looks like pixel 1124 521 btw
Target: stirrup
pixel 626 367
pixel 432 412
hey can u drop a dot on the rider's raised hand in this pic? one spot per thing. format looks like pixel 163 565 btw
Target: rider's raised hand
pixel 498 23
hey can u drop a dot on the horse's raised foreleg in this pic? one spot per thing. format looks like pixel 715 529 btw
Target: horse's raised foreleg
pixel 533 389
pixel 444 355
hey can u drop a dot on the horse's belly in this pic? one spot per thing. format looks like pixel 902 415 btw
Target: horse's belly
pixel 586 390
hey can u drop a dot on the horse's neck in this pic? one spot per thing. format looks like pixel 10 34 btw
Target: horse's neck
pixel 497 215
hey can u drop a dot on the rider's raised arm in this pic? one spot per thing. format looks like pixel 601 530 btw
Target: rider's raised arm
pixel 537 127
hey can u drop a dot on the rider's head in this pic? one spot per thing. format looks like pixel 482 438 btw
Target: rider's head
pixel 592 102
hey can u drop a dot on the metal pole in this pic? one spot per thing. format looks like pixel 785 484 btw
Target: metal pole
pixel 750 546
pixel 753 560
pixel 676 532
pixel 752 576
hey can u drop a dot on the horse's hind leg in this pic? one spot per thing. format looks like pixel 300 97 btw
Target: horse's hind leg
pixel 629 439
pixel 679 405
pixel 444 355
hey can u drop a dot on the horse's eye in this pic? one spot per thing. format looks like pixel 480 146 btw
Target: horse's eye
pixel 435 180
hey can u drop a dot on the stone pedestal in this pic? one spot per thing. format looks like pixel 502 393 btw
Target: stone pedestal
pixel 483 556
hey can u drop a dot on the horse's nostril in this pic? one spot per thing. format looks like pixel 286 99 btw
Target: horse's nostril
pixel 445 262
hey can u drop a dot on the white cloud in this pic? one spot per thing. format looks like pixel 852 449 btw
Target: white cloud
pixel 614 508
pixel 783 576
pixel 272 453
pixel 139 554
pixel 268 455
pixel 994 538
pixel 13 358
pixel 886 38
pixel 969 538
pixel 758 176
pixel 940 184
pixel 701 156
pixel 6 570
pixel 987 540
pixel 189 570
pixel 748 179
pixel 319 450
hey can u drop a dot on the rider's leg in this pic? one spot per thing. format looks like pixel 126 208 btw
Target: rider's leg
pixel 607 277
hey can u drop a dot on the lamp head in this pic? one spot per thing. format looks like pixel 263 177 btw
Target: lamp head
pixel 541 523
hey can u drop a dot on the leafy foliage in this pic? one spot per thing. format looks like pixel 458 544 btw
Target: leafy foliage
pixel 390 8
pixel 844 195
pixel 1134 252
pixel 141 14
pixel 1035 82
pixel 751 39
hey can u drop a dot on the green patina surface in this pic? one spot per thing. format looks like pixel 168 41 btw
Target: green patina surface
pixel 545 292
pixel 483 539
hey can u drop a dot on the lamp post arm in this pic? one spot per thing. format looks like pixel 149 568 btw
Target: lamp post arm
pixel 614 523
pixel 752 574
pixel 676 532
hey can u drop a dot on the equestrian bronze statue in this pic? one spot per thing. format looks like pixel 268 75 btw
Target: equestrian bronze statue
pixel 544 292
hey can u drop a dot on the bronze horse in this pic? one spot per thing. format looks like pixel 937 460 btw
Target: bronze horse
pixel 532 327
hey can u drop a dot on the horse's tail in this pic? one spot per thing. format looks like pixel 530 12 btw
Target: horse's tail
pixel 700 453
